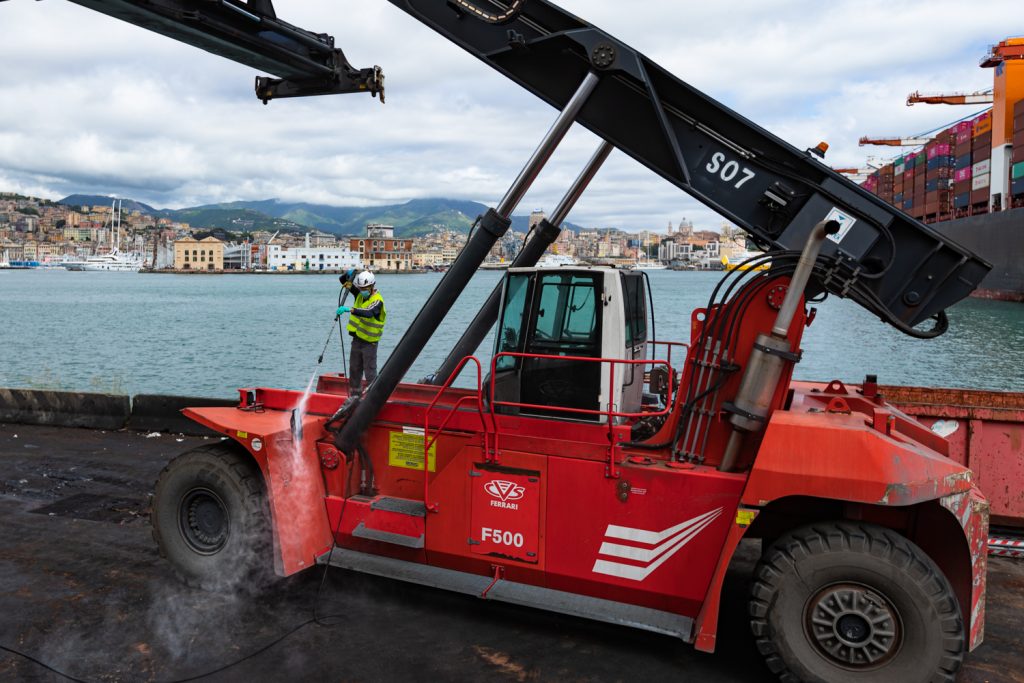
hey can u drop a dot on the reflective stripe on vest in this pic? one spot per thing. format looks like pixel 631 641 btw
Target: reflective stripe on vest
pixel 368 329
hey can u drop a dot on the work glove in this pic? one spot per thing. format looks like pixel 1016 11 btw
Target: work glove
pixel 343 309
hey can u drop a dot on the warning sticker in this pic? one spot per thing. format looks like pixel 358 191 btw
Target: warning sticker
pixel 406 450
pixel 845 223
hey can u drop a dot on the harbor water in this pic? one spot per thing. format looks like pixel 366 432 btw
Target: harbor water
pixel 206 335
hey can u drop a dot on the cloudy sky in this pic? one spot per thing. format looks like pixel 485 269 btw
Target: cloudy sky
pixel 90 104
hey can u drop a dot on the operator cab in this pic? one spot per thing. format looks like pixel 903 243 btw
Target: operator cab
pixel 558 317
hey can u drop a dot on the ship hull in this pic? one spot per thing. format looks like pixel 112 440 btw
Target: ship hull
pixel 999 239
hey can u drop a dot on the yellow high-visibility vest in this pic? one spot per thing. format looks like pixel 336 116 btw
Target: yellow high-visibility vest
pixel 368 329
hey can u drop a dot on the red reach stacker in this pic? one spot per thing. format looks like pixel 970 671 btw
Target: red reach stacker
pixel 593 468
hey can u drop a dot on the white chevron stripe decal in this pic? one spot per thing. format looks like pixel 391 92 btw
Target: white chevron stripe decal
pixel 668 543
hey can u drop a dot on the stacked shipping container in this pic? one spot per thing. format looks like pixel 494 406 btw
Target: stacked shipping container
pixel 1017 169
pixel 950 177
pixel 981 160
pixel 962 167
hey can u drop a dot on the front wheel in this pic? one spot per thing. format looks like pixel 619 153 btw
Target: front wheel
pixel 854 602
pixel 210 519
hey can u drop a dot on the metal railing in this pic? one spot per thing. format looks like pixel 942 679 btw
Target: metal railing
pixel 429 441
pixel 610 413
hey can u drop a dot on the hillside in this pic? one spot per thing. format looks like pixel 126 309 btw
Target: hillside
pixel 103 200
pixel 411 219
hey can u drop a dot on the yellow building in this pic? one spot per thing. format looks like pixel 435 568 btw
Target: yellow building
pixel 204 254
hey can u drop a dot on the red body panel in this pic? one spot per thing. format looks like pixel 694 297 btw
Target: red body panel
pixel 651 537
pixel 292 474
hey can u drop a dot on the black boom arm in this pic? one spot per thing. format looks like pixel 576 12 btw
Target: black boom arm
pixel 890 263
pixel 250 33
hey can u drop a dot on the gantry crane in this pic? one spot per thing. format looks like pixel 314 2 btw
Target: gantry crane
pixel 980 97
pixel 894 142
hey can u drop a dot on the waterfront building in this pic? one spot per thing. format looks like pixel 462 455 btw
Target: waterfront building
pixel 205 254
pixel 379 250
pixel 311 258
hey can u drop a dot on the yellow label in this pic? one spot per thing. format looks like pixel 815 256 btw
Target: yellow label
pixel 406 450
pixel 745 517
pixel 242 435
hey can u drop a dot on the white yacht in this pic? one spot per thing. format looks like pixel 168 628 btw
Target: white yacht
pixel 113 262
pixel 557 261
pixel 649 265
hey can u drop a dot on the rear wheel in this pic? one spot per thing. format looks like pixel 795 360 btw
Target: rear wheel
pixel 854 602
pixel 210 519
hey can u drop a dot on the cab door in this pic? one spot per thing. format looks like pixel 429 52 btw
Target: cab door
pixel 634 299
pixel 555 314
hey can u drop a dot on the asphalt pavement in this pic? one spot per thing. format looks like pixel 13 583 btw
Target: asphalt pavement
pixel 84 590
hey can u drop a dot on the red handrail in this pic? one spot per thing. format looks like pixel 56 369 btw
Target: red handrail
pixel 670 344
pixel 427 443
pixel 587 411
pixel 610 469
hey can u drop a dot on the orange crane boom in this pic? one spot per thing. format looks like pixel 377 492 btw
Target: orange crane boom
pixel 980 97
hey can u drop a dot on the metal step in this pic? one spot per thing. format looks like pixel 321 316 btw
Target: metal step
pixel 363 531
pixel 403 506
pixel 515 593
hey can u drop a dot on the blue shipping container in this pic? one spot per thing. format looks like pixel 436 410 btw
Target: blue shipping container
pixel 939 162
pixel 963 161
pixel 931 185
pixel 962 201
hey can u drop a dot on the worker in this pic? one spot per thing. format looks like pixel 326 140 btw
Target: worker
pixel 365 326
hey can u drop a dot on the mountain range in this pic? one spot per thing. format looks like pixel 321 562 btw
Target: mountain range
pixel 411 219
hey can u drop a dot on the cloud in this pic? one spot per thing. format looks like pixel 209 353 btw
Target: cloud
pixel 95 105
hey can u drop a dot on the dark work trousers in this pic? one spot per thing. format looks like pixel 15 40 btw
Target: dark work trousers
pixel 362 360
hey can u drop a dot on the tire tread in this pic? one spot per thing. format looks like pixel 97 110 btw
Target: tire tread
pixel 844 537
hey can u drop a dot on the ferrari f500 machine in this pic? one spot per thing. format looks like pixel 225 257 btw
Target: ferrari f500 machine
pixel 596 469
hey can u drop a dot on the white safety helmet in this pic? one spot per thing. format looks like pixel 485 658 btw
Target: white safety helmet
pixel 365 280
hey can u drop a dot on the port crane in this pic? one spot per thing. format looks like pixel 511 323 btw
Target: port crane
pixel 980 97
pixel 591 470
pixel 894 142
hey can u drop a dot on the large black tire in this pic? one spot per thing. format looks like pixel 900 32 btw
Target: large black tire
pixel 211 520
pixel 854 602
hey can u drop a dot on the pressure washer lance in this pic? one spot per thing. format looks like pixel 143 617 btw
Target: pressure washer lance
pixel 342 297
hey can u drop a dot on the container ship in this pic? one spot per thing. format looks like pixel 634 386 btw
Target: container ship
pixel 967 181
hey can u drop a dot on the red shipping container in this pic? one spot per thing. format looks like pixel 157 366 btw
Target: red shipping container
pixel 982 141
pixel 962 148
pixel 938 150
pixel 979 196
pixel 963 174
pixel 1018 108
pixel 943 173
pixel 962 186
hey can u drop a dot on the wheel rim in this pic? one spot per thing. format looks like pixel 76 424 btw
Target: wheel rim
pixel 203 521
pixel 853 626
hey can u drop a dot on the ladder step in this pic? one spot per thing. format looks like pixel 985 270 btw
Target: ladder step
pixel 363 531
pixel 402 506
